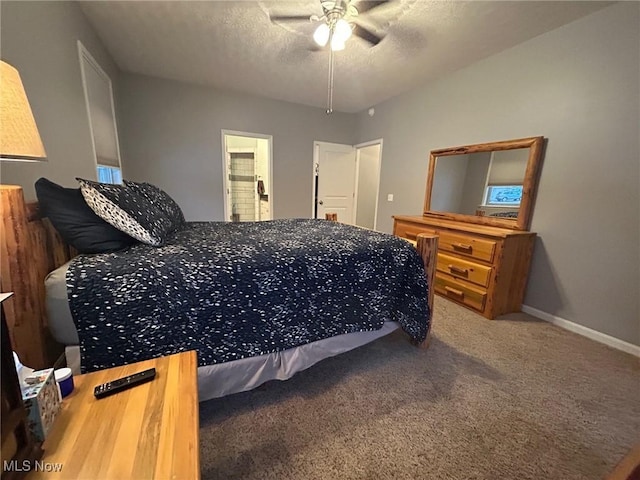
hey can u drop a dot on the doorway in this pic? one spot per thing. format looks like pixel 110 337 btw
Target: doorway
pixel 247 166
pixel 346 182
pixel 368 161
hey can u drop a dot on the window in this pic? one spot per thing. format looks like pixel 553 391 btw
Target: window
pixel 507 195
pixel 100 110
pixel 109 174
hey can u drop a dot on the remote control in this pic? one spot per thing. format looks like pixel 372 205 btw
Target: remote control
pixel 123 383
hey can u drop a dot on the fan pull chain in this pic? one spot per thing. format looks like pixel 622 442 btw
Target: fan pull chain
pixel 330 88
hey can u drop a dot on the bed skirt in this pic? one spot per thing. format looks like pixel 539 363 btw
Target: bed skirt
pixel 222 379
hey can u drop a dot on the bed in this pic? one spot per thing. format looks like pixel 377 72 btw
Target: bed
pixel 33 250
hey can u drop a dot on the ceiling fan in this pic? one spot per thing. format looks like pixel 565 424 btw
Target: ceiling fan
pixel 338 21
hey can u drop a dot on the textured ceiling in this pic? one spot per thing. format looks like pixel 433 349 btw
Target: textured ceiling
pixel 234 46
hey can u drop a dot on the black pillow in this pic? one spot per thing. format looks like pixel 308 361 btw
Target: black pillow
pixel 77 224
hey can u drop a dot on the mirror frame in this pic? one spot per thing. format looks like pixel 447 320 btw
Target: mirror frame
pixel 530 183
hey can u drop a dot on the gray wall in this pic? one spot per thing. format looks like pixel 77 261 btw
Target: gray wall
pixel 448 188
pixel 475 181
pixel 171 136
pixel 40 40
pixel 578 86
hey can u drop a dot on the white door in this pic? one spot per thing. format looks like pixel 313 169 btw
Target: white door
pixel 335 180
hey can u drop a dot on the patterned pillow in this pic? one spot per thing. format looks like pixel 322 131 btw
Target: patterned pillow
pixel 127 211
pixel 161 200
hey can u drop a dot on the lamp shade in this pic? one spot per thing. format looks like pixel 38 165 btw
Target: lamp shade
pixel 19 137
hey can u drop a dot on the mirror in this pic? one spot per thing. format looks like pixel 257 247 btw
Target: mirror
pixel 488 183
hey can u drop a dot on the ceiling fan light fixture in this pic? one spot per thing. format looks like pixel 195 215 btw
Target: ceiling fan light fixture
pixel 337 45
pixel 321 35
pixel 342 30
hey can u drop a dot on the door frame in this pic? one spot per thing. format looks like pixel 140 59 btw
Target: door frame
pixel 314 174
pixel 225 173
pixel 358 147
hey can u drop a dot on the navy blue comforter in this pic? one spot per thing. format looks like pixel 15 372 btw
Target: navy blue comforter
pixel 235 290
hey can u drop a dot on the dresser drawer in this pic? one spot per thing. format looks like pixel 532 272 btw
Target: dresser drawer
pixel 466 245
pixel 472 272
pixel 410 230
pixel 469 296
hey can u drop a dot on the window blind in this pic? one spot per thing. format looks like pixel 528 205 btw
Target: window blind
pixel 101 114
pixel 508 167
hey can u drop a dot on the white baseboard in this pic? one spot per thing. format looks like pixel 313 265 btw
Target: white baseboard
pixel 585 331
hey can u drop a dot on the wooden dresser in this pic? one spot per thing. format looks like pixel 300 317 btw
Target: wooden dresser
pixel 485 268
pixel 479 200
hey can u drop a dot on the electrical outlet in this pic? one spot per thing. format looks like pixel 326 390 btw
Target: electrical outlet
pixel 390 197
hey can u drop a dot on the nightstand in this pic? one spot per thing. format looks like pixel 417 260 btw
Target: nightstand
pixel 19 449
pixel 149 431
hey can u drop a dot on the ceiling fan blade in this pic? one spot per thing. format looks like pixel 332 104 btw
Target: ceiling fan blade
pixel 366 6
pixel 290 18
pixel 367 35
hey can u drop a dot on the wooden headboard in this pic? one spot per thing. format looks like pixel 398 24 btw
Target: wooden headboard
pixel 30 248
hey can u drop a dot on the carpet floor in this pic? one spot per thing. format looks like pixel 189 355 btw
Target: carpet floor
pixel 515 398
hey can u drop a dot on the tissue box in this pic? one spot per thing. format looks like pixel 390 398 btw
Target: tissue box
pixel 42 401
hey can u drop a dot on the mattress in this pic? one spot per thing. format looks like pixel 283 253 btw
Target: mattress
pixel 58 313
pixel 221 379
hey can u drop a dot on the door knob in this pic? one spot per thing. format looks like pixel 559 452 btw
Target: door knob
pixel 321 202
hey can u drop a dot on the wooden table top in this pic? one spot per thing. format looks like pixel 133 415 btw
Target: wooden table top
pixel 149 431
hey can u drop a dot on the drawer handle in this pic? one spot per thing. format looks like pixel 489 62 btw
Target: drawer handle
pixel 458 270
pixel 461 246
pixel 453 291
